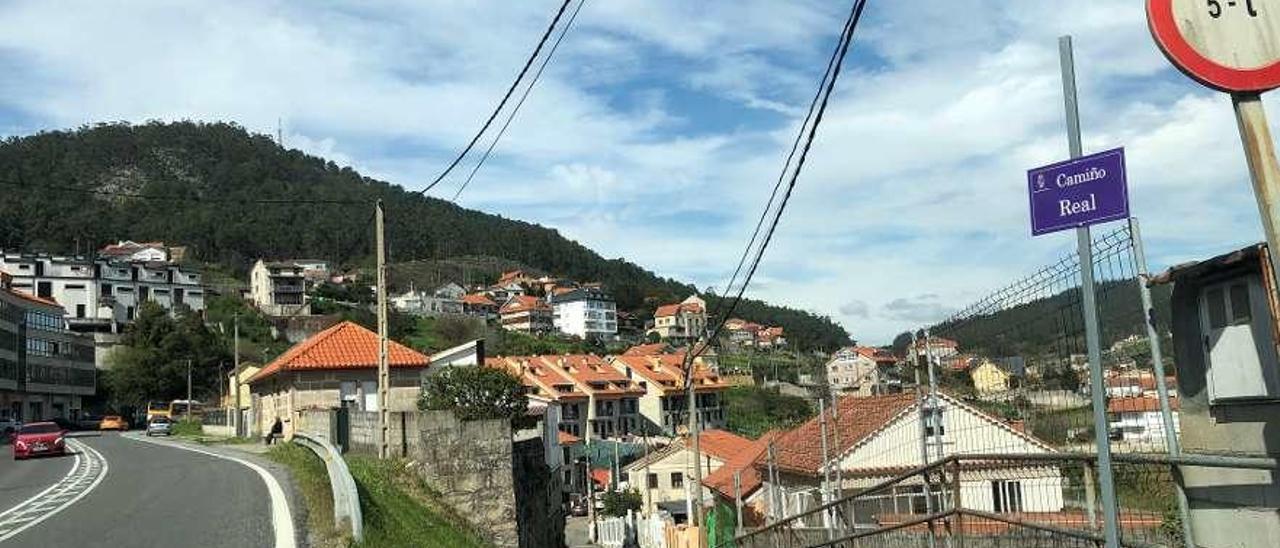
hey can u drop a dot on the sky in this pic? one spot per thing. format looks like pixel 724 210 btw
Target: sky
pixel 660 126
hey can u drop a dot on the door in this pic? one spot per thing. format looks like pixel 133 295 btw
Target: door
pixel 1234 319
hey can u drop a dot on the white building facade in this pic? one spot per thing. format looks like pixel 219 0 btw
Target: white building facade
pixel 278 288
pixel 587 312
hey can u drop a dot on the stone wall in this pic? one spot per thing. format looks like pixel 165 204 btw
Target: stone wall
pixel 401 434
pixel 470 464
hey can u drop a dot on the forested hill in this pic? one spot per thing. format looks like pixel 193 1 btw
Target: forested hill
pixel 211 166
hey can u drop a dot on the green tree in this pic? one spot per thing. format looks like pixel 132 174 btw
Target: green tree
pixel 751 410
pixel 616 503
pixel 151 363
pixel 476 393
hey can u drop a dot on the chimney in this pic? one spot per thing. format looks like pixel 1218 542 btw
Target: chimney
pixel 1018 424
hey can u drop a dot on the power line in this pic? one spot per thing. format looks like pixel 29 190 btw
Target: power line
pixel 193 199
pixel 846 39
pixel 550 53
pixel 519 77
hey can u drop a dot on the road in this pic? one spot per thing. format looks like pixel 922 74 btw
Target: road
pixel 123 491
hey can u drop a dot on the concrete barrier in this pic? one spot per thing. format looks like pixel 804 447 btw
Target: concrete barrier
pixel 346 498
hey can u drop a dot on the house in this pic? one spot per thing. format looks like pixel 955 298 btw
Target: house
pixel 278 288
pixel 596 400
pixel 686 319
pixel 478 304
pixel 504 292
pixel 526 314
pixel 664 478
pixel 739 478
pixel 770 337
pixel 940 347
pixel 1137 383
pixel 587 313
pixel 131 251
pixel 45 368
pixel 103 295
pixel 440 302
pixel 337 367
pixel 741 332
pixel 876 438
pixel 989 379
pixel 314 271
pixel 861 370
pixel 665 403
pixel 1138 418
pixel 516 277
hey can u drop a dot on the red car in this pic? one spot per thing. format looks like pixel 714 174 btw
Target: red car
pixel 39 438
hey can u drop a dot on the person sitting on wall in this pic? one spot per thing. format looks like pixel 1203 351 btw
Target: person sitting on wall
pixel 277 429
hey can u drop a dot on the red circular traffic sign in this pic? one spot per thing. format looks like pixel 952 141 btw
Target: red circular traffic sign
pixel 1229 45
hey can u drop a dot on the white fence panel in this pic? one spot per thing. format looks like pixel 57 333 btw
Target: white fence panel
pixel 651 532
pixel 613 532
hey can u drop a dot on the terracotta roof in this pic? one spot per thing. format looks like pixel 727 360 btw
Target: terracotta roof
pixel 647 349
pixel 721 480
pixel 592 370
pixel 771 332
pixel 1139 404
pixel 800 449
pixel 343 346
pixel 722 444
pixel 565 438
pixel 673 309
pixel 536 371
pixel 478 299
pixel 666 371
pixel 600 475
pixel 522 303
pixel 34 299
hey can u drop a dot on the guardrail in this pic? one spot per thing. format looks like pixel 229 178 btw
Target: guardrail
pixel 346 498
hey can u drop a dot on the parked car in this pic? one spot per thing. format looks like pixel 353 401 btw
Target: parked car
pixel 39 438
pixel 90 422
pixel 578 507
pixel 114 422
pixel 160 425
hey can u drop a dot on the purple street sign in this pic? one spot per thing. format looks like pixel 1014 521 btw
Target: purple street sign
pixel 1085 191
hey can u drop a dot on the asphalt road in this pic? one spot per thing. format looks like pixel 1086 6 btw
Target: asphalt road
pixel 151 495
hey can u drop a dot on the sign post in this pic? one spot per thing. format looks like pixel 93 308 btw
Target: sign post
pixel 1232 46
pixel 1080 192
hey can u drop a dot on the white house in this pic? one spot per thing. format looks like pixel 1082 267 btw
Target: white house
pixel 589 313
pixel 683 320
pixel 1138 418
pixel 278 288
pixel 875 438
pixel 858 370
pixel 441 302
pixel 128 250
pixel 665 478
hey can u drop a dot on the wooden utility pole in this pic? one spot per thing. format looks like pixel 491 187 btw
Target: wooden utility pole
pixel 695 490
pixel 235 375
pixel 1264 171
pixel 384 372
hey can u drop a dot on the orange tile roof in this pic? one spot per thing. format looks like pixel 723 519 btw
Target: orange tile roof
pixel 722 444
pixel 743 462
pixel 537 371
pixel 478 299
pixel 647 349
pixel 35 299
pixel 346 345
pixel 590 369
pixel 1139 404
pixel 666 371
pixel 800 449
pixel 522 303
pixel 565 438
pixel 673 309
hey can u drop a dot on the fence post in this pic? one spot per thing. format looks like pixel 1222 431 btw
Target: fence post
pixel 1090 500
pixel 957 529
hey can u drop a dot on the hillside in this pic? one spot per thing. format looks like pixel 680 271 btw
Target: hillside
pixel 208 167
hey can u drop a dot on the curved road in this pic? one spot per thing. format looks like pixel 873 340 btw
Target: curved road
pixel 138 494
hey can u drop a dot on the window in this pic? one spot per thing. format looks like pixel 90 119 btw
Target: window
pixel 677 480
pixel 44 290
pixel 653 481
pixel 106 290
pixel 1006 496
pixel 933 424
pixel 1240 313
pixel 128 312
pixel 1217 309
pixel 79 311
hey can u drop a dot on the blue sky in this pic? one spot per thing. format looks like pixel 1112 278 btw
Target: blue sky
pixel 660 127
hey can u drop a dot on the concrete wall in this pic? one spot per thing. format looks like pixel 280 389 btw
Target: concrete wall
pixel 470 464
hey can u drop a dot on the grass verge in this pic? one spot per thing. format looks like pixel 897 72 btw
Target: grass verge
pixel 400 510
pixel 309 475
pixel 187 429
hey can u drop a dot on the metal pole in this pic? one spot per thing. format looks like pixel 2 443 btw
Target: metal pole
pixel 188 390
pixel 384 371
pixel 1084 244
pixel 934 414
pixel 924 438
pixel 773 487
pixel 825 489
pixel 737 499
pixel 1264 172
pixel 1157 361
pixel 695 492
pixel 235 374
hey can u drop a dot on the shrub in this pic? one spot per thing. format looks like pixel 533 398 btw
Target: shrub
pixel 616 503
pixel 476 393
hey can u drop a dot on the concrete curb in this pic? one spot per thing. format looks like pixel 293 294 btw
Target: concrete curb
pixel 346 498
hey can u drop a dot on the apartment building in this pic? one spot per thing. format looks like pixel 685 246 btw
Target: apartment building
pixel 544 382
pixel 665 402
pixel 45 369
pixel 101 295
pixel 589 313
pixel 279 288
pixel 526 314
pixel 611 408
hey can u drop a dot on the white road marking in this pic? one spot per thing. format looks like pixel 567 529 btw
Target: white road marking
pixel 281 519
pixel 86 473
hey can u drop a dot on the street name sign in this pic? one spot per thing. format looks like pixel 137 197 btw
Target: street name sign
pixel 1080 192
pixel 1229 45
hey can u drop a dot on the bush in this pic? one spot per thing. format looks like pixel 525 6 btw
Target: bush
pixel 476 393
pixel 616 503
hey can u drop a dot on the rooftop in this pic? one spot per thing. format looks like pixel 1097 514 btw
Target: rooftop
pixel 346 345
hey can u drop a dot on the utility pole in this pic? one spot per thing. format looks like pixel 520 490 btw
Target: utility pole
pixel 384 372
pixel 1084 244
pixel 235 374
pixel 935 416
pixel 924 436
pixel 825 488
pixel 695 490
pixel 188 389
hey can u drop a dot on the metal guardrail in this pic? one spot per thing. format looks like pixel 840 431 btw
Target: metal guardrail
pixel 346 498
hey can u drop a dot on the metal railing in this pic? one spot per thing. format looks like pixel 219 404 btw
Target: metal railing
pixel 346 497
